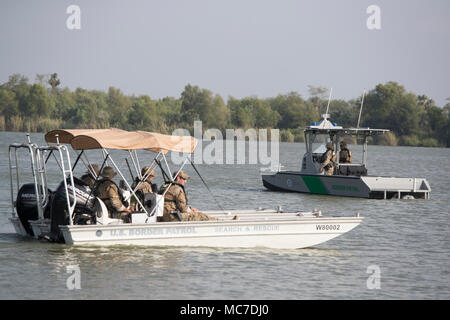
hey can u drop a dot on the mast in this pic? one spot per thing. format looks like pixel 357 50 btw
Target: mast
pixel 360 109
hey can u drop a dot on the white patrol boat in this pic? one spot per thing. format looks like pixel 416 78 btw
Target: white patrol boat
pixel 73 215
pixel 348 179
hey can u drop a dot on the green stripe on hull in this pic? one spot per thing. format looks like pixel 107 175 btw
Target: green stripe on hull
pixel 314 184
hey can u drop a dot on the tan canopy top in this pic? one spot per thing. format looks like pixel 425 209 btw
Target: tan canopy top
pixel 137 140
pixel 66 135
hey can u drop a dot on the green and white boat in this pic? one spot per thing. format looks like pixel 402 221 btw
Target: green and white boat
pixel 348 179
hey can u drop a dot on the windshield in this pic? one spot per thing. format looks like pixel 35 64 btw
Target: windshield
pixel 318 143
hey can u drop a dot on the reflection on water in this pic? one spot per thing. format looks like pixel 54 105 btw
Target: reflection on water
pixel 408 239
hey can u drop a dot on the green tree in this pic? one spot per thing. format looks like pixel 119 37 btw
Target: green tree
pixel 318 98
pixel 8 103
pixel 19 85
pixel 54 81
pixel 118 107
pixel 38 102
pixel 390 106
pixel 241 112
pixel 201 104
pixel 344 113
pixel 294 111
pixel 85 112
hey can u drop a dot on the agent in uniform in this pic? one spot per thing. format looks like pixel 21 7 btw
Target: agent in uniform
pixel 345 156
pixel 328 160
pixel 175 203
pixel 110 194
pixel 144 187
pixel 88 178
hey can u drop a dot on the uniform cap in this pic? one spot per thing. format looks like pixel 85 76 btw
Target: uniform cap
pixel 182 174
pixel 149 171
pixel 108 172
pixel 330 145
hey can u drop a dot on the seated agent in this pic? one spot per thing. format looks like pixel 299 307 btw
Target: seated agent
pixel 175 203
pixel 328 160
pixel 145 187
pixel 110 194
pixel 345 156
pixel 88 178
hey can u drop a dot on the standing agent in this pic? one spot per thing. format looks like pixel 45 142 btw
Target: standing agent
pixel 345 156
pixel 110 194
pixel 175 203
pixel 328 160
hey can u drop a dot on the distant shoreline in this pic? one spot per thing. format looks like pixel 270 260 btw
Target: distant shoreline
pixel 413 120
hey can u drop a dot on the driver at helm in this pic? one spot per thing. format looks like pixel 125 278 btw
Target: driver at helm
pixel 328 160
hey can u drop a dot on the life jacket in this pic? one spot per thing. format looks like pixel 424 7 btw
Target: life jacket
pixel 344 155
pixel 100 182
pixel 166 185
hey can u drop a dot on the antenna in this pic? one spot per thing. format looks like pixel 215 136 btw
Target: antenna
pixel 329 99
pixel 360 110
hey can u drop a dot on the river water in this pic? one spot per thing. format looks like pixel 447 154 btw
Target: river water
pixel 400 250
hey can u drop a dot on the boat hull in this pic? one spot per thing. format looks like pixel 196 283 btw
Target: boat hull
pixel 18 227
pixel 275 233
pixel 348 186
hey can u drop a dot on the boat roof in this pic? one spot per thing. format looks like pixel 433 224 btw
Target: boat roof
pixel 136 140
pixel 347 131
pixel 327 127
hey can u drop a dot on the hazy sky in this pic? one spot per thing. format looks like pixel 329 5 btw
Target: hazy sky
pixel 232 47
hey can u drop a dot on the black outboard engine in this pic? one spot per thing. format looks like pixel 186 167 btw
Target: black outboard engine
pixel 26 206
pixel 83 213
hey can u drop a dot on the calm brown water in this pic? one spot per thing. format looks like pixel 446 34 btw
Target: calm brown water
pixel 409 240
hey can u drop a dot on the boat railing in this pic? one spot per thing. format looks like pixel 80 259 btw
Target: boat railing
pixel 14 170
pixel 66 169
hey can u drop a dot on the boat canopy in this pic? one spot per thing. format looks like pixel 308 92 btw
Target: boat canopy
pixel 136 140
pixel 164 142
pixel 66 135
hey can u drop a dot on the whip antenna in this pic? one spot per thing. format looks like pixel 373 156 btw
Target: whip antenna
pixel 360 109
pixel 204 182
pixel 329 99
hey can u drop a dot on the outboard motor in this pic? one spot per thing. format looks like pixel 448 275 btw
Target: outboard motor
pixel 26 206
pixel 83 213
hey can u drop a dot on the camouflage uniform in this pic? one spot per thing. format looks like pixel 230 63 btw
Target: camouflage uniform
pixel 109 193
pixel 144 187
pixel 328 160
pixel 175 201
pixel 345 156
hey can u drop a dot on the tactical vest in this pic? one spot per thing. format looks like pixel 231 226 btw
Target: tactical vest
pixel 166 185
pixel 100 182
pixel 344 155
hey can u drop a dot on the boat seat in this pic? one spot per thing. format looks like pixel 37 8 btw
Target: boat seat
pixel 351 169
pixel 101 213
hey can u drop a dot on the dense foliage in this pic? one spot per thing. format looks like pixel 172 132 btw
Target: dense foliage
pixel 414 120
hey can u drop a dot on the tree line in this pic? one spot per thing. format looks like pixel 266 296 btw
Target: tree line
pixel 414 120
